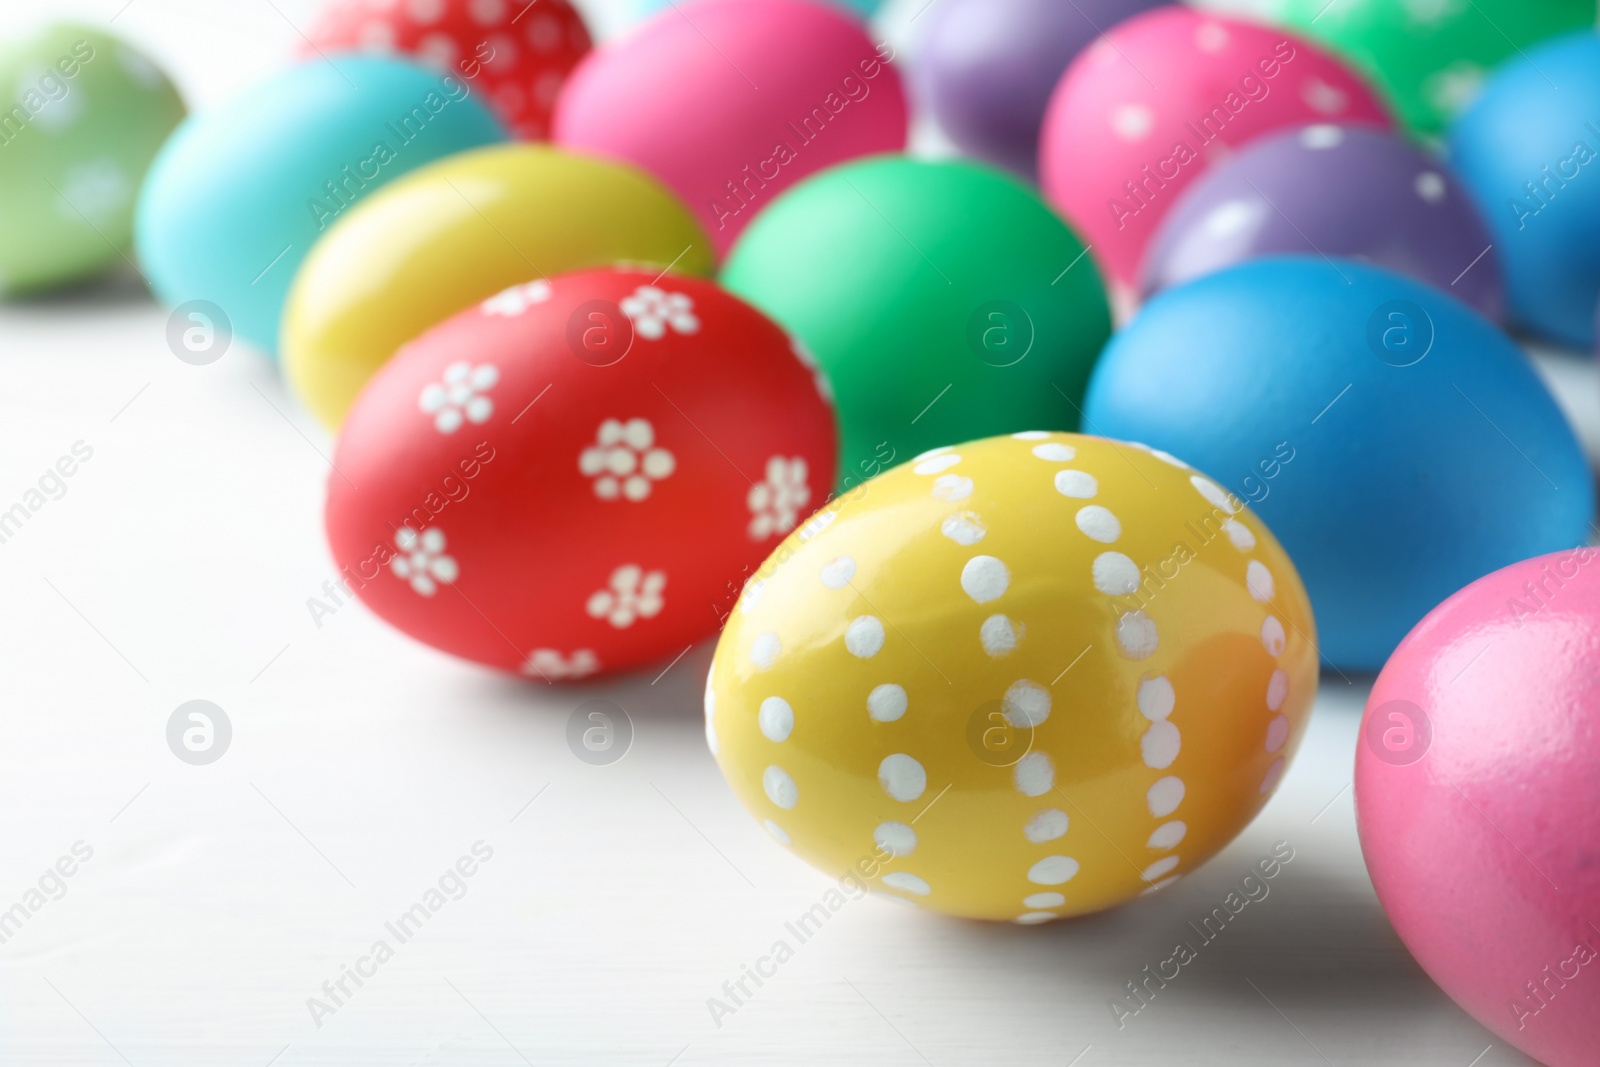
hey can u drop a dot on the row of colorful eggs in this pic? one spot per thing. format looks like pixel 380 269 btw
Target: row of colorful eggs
pixel 944 301
pixel 1140 173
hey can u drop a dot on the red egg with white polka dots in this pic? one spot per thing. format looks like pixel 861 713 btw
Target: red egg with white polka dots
pixel 1160 97
pixel 517 52
pixel 577 475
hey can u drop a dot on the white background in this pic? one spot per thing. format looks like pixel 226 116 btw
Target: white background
pixel 220 898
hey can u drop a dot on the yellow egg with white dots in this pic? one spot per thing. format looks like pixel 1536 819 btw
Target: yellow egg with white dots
pixel 1023 678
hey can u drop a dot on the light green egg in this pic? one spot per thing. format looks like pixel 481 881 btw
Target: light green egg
pixel 82 114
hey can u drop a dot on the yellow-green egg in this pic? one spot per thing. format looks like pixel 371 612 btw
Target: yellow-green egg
pixel 82 114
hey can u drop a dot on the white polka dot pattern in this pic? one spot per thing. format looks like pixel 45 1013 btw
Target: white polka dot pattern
pixel 1273 638
pixel 864 637
pixel 887 702
pixel 764 650
pixel 1078 485
pixel 1136 635
pixel 1053 870
pixel 780 787
pixel 1098 523
pixel 1026 704
pixel 985 578
pixel 1164 796
pixel 907 882
pixel 1034 775
pixel 902 777
pixel 776 719
pixel 895 838
pixel 963 529
pixel 838 573
pixel 937 465
pixel 998 635
pixel 1047 825
pixel 1277 690
pixel 1115 574
pixel 1159 868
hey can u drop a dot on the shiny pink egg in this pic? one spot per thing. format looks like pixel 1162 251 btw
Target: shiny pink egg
pixel 1478 801
pixel 730 102
pixel 1161 97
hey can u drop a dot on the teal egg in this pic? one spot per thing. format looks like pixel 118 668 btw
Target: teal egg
pixel 239 195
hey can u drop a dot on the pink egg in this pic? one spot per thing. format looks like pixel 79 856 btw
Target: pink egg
pixel 730 102
pixel 1144 111
pixel 1478 801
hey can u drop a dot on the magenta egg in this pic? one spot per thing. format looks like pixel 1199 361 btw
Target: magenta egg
pixel 1158 99
pixel 730 102
pixel 1478 801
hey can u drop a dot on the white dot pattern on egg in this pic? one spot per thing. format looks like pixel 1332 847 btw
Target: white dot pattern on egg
pixel 1078 519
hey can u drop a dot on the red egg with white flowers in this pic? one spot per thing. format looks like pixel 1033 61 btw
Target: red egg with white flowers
pixel 518 53
pixel 577 475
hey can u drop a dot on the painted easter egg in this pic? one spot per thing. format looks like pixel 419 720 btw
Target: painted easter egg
pixel 235 200
pixel 736 105
pixel 576 475
pixel 986 68
pixel 646 8
pixel 945 300
pixel 1022 678
pixel 1398 443
pixel 517 54
pixel 1526 151
pixel 1429 59
pixel 86 115
pixel 1478 801
pixel 1334 191
pixel 1115 150
pixel 456 232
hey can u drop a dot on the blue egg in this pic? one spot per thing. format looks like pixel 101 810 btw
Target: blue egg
pixel 239 194
pixel 1529 153
pixel 1396 442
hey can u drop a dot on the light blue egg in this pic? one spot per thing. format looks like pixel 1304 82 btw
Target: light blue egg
pixel 1396 442
pixel 240 193
pixel 645 8
pixel 1528 150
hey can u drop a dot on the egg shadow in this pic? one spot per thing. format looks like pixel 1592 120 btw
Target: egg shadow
pixel 1317 949
pixel 667 696
pixel 119 287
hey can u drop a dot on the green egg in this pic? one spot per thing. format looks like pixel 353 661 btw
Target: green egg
pixel 1429 57
pixel 82 114
pixel 944 300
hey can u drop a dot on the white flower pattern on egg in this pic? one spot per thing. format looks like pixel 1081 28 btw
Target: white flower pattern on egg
pixel 775 503
pixel 555 666
pixel 625 461
pixel 652 310
pixel 633 594
pixel 460 397
pixel 422 560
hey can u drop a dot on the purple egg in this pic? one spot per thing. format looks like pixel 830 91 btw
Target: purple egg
pixel 986 68
pixel 1352 191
